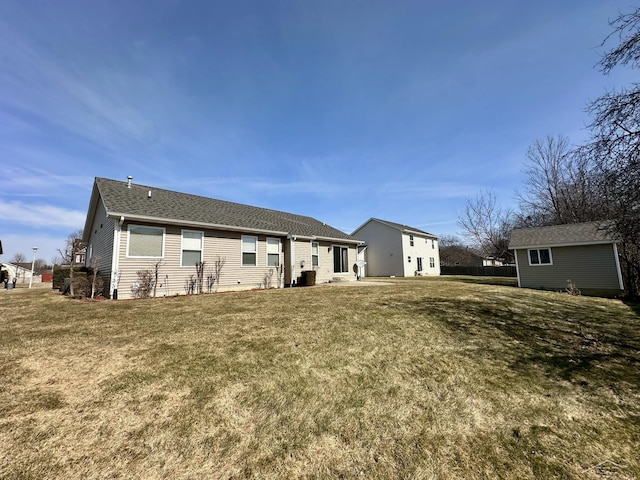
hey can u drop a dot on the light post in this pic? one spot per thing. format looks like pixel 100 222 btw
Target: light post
pixel 33 262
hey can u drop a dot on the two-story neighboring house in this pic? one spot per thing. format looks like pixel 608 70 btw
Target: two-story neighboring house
pixel 398 250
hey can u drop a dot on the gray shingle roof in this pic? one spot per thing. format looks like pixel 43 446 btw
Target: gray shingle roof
pixel 402 227
pixel 182 208
pixel 556 235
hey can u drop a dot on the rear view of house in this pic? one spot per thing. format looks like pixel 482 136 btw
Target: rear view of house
pixel 548 257
pixel 131 228
pixel 393 249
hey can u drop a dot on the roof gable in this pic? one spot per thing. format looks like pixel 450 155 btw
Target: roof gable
pixel 166 206
pixel 398 226
pixel 560 235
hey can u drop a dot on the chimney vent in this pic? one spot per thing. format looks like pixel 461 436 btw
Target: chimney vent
pixel 149 194
pixel 129 178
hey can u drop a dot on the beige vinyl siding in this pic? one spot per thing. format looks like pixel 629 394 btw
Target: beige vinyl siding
pixel 101 242
pixel 590 267
pixel 172 277
pixel 324 270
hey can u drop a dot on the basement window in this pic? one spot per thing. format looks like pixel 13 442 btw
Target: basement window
pixel 540 256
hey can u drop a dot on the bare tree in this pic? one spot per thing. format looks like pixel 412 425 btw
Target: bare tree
pixel 96 281
pixel 561 186
pixel 69 254
pixel 18 258
pixel 487 226
pixel 449 241
pixel 615 146
pixel 40 265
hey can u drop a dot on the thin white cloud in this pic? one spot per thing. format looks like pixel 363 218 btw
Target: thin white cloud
pixel 41 216
pixel 438 190
pixel 231 186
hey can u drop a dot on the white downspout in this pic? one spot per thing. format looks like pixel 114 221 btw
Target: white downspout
pixel 115 261
pixel 292 239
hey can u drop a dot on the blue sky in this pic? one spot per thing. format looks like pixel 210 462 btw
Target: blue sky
pixel 341 110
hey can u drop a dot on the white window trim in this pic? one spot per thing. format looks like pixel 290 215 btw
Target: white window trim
pixel 267 255
pixel 539 264
pixel 182 245
pixel 164 236
pixel 242 251
pixel 318 255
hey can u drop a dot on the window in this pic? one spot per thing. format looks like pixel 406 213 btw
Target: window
pixel 433 243
pixel 145 241
pixel 541 256
pixel 419 259
pixel 191 248
pixel 411 240
pixel 340 259
pixel 315 254
pixel 432 262
pixel 273 252
pixel 409 258
pixel 249 251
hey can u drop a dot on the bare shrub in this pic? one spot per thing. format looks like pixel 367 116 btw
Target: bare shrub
pixel 199 277
pixel 145 284
pixel 266 281
pixel 572 289
pixel 190 285
pixel 81 286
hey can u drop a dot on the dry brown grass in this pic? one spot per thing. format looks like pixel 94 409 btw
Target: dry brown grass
pixel 420 379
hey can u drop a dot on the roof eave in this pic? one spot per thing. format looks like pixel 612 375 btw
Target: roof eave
pixel 570 244
pixel 187 223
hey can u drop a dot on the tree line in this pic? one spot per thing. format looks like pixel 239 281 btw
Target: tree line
pixel 596 181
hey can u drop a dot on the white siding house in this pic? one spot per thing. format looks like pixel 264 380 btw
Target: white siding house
pixel 393 249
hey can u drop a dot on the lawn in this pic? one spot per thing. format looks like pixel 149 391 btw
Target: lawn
pixel 418 379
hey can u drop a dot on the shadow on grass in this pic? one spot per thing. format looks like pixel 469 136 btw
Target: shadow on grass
pixel 578 344
pixel 502 281
pixel 634 305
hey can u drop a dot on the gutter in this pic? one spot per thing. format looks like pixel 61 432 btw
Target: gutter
pixel 213 226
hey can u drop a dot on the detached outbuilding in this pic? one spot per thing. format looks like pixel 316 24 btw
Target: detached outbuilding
pixel 548 257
